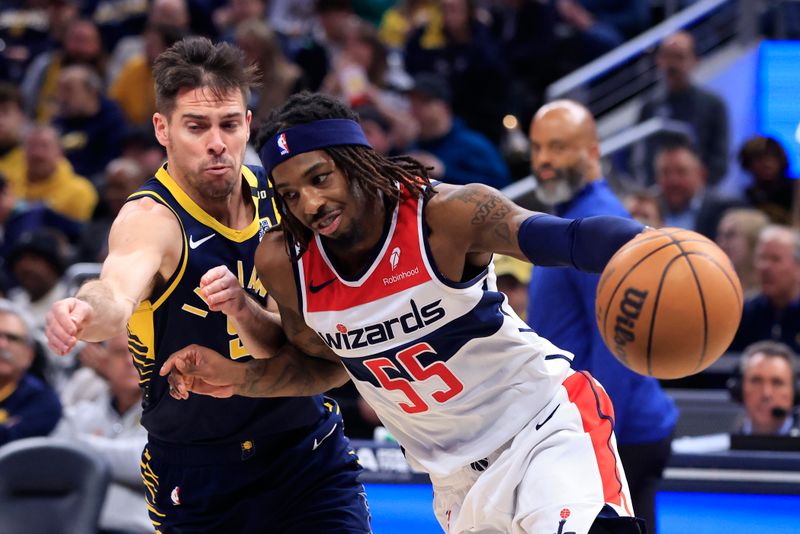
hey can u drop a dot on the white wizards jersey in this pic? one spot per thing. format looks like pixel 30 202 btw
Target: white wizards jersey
pixel 450 369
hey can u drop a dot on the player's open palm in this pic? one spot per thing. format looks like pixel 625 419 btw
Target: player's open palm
pixel 222 291
pixel 198 369
pixel 65 322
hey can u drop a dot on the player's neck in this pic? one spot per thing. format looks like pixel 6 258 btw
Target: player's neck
pixel 235 211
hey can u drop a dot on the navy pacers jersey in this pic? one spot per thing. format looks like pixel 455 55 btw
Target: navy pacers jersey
pixel 175 315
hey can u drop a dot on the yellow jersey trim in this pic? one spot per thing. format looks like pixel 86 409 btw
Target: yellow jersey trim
pixel 239 236
pixel 7 391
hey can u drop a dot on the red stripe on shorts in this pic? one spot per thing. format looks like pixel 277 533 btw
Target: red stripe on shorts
pixel 588 396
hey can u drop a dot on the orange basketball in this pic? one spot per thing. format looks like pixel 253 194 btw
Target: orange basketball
pixel 669 303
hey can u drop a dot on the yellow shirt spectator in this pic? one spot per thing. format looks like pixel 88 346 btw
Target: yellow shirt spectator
pixel 134 91
pixel 51 179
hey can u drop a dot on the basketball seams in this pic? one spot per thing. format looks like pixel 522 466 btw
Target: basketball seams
pixel 624 276
pixel 655 311
pixel 712 259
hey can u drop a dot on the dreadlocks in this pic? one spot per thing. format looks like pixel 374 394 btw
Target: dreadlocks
pixel 377 175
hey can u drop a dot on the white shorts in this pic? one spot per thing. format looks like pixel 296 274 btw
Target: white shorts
pixel 554 476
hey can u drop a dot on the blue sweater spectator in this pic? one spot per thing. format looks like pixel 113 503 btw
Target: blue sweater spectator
pixel 28 407
pixel 31 409
pixel 92 127
pixel 457 154
pixel 470 58
pixel 643 412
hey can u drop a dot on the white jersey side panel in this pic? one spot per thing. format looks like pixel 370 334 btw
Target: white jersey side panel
pixel 449 368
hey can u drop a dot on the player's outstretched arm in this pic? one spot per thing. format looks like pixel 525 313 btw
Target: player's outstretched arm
pixel 305 366
pixel 144 239
pixel 484 220
pixel 291 372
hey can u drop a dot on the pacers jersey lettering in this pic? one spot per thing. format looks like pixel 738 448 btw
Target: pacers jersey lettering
pixel 176 315
pixel 442 362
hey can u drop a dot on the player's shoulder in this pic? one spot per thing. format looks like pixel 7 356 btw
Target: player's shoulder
pixel 453 205
pixel 145 212
pixel 272 254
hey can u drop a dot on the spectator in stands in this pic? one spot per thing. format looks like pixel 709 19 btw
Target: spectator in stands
pixel 525 30
pixel 457 154
pixel 679 99
pixel 317 53
pixel 91 125
pixel 766 385
pixel 774 313
pixel 377 129
pixel 133 88
pixel 18 218
pixel 121 178
pixel 231 14
pixel 405 17
pixel 12 130
pixel 645 207
pixel 140 145
pixel 28 406
pixel 108 427
pixel 737 235
pixel 23 31
pixel 772 190
pixel 51 179
pixel 687 202
pixel 280 78
pixel 513 276
pixel 565 160
pixel 116 19
pixel 593 27
pixel 37 262
pixel 361 76
pixel 463 50
pixel 82 46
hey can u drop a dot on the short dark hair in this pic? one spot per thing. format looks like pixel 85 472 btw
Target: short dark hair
pixel 196 62
pixel 760 146
pixel 377 175
pixel 773 349
pixel 9 93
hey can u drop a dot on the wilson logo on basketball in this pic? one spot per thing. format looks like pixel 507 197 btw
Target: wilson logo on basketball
pixel 630 308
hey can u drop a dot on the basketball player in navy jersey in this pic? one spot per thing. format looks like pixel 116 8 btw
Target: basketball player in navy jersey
pixel 212 465
pixel 377 268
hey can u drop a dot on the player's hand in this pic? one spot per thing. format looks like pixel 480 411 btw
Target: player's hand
pixel 222 291
pixel 198 369
pixel 65 322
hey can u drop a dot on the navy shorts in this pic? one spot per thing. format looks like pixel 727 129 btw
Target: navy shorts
pixel 294 483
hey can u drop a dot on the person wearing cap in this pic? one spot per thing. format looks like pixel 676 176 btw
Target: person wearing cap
pixel 457 154
pixel 37 263
pixel 28 406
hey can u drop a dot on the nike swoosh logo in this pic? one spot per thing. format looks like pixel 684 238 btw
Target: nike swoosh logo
pixel 326 436
pixel 540 425
pixel 194 244
pixel 315 289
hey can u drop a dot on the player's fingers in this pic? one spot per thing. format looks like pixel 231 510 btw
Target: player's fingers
pixel 213 274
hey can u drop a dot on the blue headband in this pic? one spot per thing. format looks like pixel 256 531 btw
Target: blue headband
pixel 308 137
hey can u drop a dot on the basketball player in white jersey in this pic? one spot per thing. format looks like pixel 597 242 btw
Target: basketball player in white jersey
pixel 380 270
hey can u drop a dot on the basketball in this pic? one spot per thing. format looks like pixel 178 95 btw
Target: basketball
pixel 668 303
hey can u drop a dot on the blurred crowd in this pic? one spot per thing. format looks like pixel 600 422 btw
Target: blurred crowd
pixel 454 83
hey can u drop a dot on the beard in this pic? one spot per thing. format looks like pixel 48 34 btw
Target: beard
pixel 562 187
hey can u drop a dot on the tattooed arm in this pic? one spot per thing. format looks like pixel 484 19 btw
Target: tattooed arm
pixel 305 366
pixel 475 220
